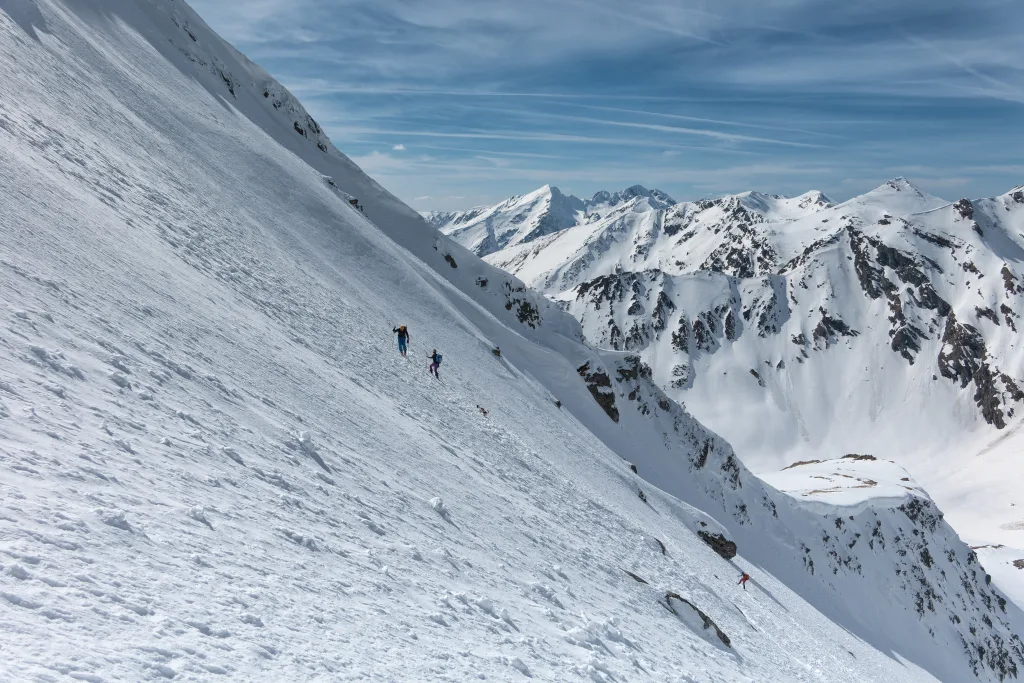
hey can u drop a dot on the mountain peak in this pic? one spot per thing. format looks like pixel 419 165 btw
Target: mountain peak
pixel 899 184
pixel 815 197
pixel 659 198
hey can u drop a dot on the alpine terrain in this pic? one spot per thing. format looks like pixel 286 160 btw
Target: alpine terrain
pixel 802 329
pixel 215 465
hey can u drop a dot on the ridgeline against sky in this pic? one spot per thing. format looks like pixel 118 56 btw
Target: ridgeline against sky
pixel 453 104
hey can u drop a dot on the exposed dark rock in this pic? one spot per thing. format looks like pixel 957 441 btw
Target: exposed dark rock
pixel 730 326
pixel 702 335
pixel 907 269
pixel 1008 315
pixel 1009 280
pixel 526 312
pixel 904 342
pixel 681 337
pixel 810 250
pixel 963 351
pixel 922 513
pixel 600 387
pixel 702 459
pixel 708 622
pixel 662 310
pixel 872 279
pixel 905 336
pixel 634 576
pixel 633 368
pixel 829 329
pixel 719 543
pixel 962 359
pixel 988 396
pixel 1011 386
pixel 929 298
pixel 964 208
pixel 857 456
pixel 986 313
pixel 935 239
pixel 680 376
pixel 801 462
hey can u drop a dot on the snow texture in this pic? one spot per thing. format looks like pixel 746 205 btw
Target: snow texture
pixel 216 465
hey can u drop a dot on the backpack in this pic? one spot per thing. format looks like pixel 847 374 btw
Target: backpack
pixel 437 358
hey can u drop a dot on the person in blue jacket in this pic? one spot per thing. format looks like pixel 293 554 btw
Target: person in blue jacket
pixel 403 338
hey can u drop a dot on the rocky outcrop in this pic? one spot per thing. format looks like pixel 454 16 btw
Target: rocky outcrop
pixel 687 606
pixel 719 543
pixel 600 387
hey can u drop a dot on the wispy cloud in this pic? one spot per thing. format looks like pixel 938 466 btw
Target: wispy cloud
pixel 489 97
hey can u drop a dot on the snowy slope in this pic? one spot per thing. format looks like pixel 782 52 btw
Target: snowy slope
pixel 799 329
pixel 215 464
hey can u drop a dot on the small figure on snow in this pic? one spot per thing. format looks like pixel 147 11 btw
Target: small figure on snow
pixel 483 411
pixel 403 338
pixel 435 359
pixel 743 580
pixel 496 351
pixel 558 404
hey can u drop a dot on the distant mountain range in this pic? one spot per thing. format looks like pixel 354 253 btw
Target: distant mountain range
pixel 800 328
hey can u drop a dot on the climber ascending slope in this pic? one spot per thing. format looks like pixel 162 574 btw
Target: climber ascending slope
pixel 403 338
pixel 435 359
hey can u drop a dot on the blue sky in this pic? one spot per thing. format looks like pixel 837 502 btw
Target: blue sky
pixel 456 103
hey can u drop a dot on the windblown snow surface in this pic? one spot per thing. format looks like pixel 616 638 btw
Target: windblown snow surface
pixel 216 467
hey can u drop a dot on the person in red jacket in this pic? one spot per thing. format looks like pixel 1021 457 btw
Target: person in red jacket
pixel 743 580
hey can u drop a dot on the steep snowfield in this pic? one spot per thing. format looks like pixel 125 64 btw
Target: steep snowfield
pixel 214 464
pixel 799 329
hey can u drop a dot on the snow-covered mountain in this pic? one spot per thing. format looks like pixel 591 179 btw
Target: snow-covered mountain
pixel 214 464
pixel 802 329
pixel 522 219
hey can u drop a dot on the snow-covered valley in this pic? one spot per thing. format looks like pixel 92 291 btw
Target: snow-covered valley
pixel 215 466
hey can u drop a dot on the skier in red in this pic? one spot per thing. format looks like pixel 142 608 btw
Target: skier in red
pixel 743 580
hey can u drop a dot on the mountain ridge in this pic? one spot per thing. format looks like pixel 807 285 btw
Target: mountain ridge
pixel 215 463
pixel 773 295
